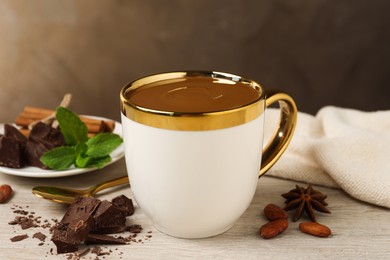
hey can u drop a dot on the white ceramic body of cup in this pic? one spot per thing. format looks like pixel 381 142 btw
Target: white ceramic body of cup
pixel 193 184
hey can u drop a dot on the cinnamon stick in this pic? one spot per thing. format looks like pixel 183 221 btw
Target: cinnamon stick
pixel 31 114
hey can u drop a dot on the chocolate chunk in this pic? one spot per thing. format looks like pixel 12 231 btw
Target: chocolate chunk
pixel 124 203
pixel 63 242
pixel 82 208
pixel 85 221
pixel 29 223
pixel 42 138
pixel 10 153
pixel 33 153
pixel 39 236
pixel 19 238
pixel 79 218
pixel 12 132
pixel 48 136
pixel 94 239
pixel 108 218
pixel 78 231
pixel 75 225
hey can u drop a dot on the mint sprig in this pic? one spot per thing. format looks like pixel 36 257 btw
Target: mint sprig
pixel 81 151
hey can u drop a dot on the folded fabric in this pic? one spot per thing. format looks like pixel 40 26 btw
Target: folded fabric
pixel 340 148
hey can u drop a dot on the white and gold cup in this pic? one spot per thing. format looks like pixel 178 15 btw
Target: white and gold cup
pixel 194 147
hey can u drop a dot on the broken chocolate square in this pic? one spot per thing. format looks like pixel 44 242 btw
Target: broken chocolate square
pixel 42 138
pixel 79 230
pixel 124 203
pixel 85 221
pixel 82 208
pixel 10 153
pixel 48 136
pixel 75 225
pixel 63 242
pixel 12 132
pixel 108 218
pixel 33 153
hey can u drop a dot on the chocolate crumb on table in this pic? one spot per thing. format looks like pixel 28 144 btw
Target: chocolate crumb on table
pixel 18 238
pixel 135 228
pixel 40 236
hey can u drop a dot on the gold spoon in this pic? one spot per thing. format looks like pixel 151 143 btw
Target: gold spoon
pixel 65 195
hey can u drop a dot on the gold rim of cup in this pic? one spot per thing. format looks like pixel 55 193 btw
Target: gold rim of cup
pixel 197 121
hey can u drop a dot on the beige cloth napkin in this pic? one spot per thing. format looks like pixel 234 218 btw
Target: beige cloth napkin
pixel 341 148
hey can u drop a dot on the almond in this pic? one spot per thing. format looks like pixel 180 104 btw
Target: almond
pixel 273 212
pixel 315 229
pixel 5 193
pixel 273 228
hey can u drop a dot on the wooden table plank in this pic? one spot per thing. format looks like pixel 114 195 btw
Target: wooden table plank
pixel 360 231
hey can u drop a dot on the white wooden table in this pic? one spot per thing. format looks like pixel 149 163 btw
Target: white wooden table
pixel 360 231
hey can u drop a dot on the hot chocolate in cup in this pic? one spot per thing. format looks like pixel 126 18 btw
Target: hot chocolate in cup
pixel 194 147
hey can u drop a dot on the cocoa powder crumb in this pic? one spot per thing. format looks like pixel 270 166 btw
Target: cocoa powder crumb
pixel 135 228
pixel 20 211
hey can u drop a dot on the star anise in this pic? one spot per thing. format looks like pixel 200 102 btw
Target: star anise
pixel 306 200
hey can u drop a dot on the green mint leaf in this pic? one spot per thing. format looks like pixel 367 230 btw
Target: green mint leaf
pixel 59 158
pixel 82 161
pixel 81 148
pixel 98 162
pixel 73 129
pixel 102 144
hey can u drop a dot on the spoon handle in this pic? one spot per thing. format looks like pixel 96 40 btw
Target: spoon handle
pixel 110 183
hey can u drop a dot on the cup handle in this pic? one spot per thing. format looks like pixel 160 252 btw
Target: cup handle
pixel 283 135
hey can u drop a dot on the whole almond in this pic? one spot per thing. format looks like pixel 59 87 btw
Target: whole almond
pixel 273 228
pixel 273 212
pixel 315 229
pixel 5 193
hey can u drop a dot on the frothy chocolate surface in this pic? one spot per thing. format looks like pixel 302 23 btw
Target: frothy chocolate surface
pixel 193 95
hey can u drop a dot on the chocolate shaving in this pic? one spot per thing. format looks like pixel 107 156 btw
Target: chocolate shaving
pixel 19 238
pixel 39 236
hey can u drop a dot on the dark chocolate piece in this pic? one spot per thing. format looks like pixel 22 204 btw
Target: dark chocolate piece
pixel 85 221
pixel 124 203
pixel 108 218
pixel 12 132
pixel 33 153
pixel 63 242
pixel 75 225
pixel 10 153
pixel 82 208
pixel 79 230
pixel 48 136
pixel 94 239
pixel 42 138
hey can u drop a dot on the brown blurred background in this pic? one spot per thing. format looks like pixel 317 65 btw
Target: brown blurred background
pixel 322 52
